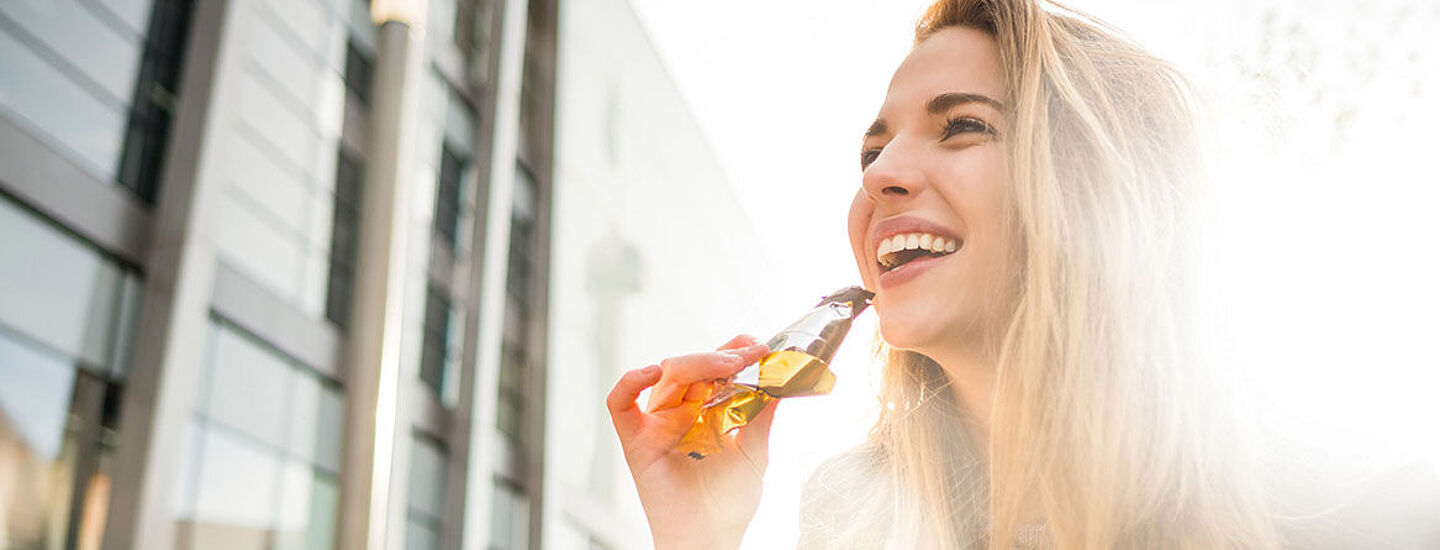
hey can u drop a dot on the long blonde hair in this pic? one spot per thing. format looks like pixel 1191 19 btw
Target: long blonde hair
pixel 1107 418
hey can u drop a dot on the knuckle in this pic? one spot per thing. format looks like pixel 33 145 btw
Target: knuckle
pixel 614 399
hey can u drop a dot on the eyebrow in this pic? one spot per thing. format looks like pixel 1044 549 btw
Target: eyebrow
pixel 943 102
pixel 876 128
pixel 938 105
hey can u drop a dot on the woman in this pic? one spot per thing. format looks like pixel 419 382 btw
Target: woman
pixel 1042 384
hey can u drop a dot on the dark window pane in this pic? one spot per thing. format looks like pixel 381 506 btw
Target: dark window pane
pixel 447 196
pixel 465 14
pixel 156 94
pixel 517 279
pixel 522 237
pixel 344 238
pixel 435 351
pixel 510 412
pixel 359 73
pixel 514 364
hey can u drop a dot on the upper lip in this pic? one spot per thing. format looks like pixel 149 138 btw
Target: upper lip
pixel 901 225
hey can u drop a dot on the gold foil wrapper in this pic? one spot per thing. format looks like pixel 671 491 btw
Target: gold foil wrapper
pixel 796 367
pixel 736 407
pixel 790 373
pixel 785 373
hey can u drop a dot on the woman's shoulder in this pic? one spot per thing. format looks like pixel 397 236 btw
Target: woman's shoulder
pixel 1358 506
pixel 845 499
pixel 846 475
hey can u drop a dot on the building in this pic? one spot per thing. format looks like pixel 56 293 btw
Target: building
pixel 653 257
pixel 275 275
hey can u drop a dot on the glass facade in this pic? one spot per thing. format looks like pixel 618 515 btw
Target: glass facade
pixel 512 502
pixel 359 72
pixel 515 356
pixel 344 237
pixel 97 80
pixel 349 183
pixel 67 314
pixel 447 196
pixel 263 454
pixel 425 508
pixel 156 93
pixel 70 70
pixel 283 146
pixel 509 518
pixel 437 355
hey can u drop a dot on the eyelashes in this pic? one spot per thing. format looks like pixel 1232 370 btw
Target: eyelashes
pixel 868 156
pixel 965 124
pixel 953 127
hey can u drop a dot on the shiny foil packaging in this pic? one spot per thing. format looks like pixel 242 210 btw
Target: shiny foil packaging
pixel 798 365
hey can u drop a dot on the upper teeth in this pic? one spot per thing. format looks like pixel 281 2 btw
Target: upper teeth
pixel 913 241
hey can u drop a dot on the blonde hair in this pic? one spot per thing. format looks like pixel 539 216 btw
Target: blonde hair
pixel 1106 417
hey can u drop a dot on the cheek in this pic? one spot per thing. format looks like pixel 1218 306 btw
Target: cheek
pixel 993 237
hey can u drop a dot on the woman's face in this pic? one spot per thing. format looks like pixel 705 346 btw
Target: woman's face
pixel 934 180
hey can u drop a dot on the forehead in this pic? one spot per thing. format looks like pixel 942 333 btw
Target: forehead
pixel 955 59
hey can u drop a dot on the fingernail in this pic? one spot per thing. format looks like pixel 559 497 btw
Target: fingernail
pixel 652 369
pixel 733 358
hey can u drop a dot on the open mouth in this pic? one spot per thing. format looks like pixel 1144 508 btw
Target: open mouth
pixel 897 251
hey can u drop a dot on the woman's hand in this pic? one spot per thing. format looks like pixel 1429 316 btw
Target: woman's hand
pixel 691 503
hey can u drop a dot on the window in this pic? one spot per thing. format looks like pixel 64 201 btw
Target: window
pixel 435 354
pixel 522 239
pixel 510 401
pixel 156 94
pixel 35 394
pixel 247 379
pixel 509 517
pixel 262 465
pixel 63 293
pixel 349 182
pixel 425 510
pixel 465 22
pixel 344 238
pixel 66 313
pixel 359 73
pixel 515 356
pixel 447 196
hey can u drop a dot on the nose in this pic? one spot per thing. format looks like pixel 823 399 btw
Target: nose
pixel 894 174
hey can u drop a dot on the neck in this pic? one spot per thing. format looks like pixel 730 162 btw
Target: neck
pixel 972 383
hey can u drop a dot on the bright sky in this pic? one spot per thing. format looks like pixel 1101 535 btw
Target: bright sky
pixel 1324 113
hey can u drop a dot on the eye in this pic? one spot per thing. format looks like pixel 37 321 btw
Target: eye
pixel 868 156
pixel 966 125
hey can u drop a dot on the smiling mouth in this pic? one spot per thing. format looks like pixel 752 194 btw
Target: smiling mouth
pixel 897 251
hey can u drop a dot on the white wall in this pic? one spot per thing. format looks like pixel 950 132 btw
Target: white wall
pixel 641 200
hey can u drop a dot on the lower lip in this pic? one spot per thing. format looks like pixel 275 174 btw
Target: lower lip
pixel 910 270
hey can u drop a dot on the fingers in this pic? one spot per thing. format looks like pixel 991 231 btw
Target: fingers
pixel 698 392
pixel 680 372
pixel 621 401
pixel 753 437
pixel 740 341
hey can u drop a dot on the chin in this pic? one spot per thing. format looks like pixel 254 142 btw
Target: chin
pixel 904 334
